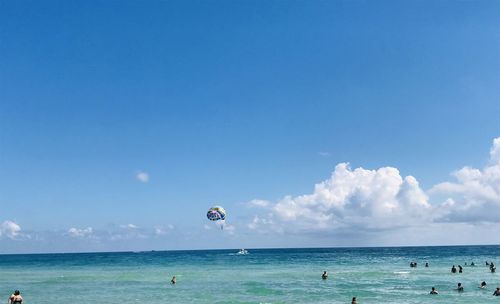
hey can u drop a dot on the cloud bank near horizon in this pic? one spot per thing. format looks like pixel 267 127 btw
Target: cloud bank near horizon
pixel 353 205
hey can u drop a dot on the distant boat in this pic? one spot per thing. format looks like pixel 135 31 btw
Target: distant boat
pixel 243 251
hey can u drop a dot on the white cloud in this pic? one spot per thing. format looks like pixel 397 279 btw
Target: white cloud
pixel 259 203
pixel 10 230
pixel 475 195
pixel 129 232
pixel 259 222
pixel 366 199
pixel 163 230
pixel 324 154
pixel 142 176
pixel 80 233
pixel 160 231
pixel 129 226
pixel 361 200
pixel 495 151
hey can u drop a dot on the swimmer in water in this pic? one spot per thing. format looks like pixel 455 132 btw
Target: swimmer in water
pixel 460 269
pixel 453 269
pixel 433 291
pixel 426 264
pixel 16 298
pixel 174 280
pixel 460 288
pixel 483 285
pixel 324 276
pixel 354 301
pixel 497 292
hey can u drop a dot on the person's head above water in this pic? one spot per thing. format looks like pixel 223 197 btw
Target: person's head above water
pixel 17 292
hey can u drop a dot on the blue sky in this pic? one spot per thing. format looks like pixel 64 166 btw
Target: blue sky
pixel 122 122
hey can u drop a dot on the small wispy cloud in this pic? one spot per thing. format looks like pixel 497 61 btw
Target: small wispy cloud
pixel 80 233
pixel 142 176
pixel 163 230
pixel 324 154
pixel 258 222
pixel 10 229
pixel 129 232
pixel 259 203
pixel 129 226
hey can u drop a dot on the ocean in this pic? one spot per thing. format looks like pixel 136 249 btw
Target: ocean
pixel 373 275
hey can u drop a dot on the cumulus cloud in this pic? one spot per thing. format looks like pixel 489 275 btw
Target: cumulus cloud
pixel 80 233
pixel 142 176
pixel 366 199
pixel 10 230
pixel 474 196
pixel 363 200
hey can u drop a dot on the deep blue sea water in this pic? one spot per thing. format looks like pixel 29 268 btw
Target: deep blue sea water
pixel 373 275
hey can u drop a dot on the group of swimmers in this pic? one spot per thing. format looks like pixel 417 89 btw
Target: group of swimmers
pixel 454 269
pixel 491 265
pixel 460 288
pixel 414 264
pixel 433 291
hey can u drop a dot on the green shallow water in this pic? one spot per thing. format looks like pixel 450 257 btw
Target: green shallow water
pixel 373 275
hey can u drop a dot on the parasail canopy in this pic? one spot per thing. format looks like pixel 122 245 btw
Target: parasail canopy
pixel 216 213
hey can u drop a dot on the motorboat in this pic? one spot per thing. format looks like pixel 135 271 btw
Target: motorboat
pixel 243 251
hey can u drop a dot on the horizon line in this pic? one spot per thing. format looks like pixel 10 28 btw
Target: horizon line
pixel 249 248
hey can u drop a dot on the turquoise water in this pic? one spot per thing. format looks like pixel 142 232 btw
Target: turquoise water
pixel 373 275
